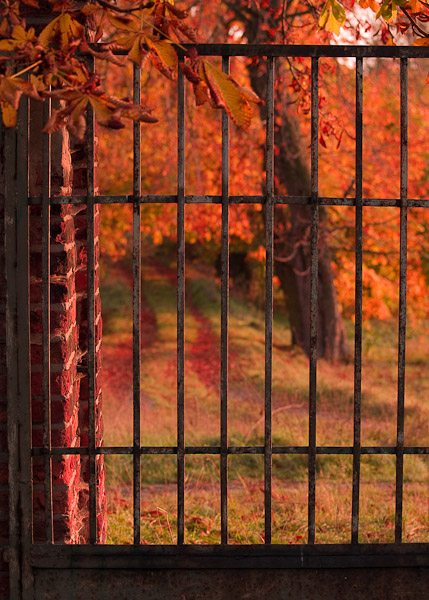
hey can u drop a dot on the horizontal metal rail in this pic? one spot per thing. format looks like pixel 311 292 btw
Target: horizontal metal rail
pixel 310 51
pixel 214 199
pixel 232 450
pixel 271 556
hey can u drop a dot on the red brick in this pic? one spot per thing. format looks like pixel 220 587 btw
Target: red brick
pixel 65 470
pixel 61 383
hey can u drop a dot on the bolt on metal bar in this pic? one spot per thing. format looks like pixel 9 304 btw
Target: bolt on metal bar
pixel 23 331
pixel 402 301
pixel 90 177
pixel 358 306
pixel 136 307
pixel 46 322
pixel 269 253
pixel 180 307
pixel 224 322
pixel 314 230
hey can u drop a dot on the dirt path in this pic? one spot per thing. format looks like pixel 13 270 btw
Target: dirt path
pixel 118 356
pixel 203 354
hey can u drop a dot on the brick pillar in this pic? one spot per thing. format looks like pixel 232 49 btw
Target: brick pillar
pixel 68 353
pixel 65 352
pixel 79 187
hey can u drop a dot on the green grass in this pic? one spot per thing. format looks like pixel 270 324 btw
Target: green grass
pixel 246 425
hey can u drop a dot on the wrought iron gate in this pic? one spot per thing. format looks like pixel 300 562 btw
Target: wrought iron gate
pixel 181 571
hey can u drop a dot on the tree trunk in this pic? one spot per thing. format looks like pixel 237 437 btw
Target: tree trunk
pixel 292 224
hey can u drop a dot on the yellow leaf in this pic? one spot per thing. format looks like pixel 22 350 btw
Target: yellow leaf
pixel 415 6
pixel 332 24
pixel 136 53
pixel 372 4
pixel 201 93
pixel 332 17
pixel 10 91
pixel 124 23
pixel 126 40
pixel 28 88
pixel 324 15
pixel 165 51
pixel 48 32
pixel 66 26
pixel 249 94
pixel 9 114
pixel 19 33
pixel 101 110
pixel 4 28
pixel 37 82
pixel 224 93
pixel 8 45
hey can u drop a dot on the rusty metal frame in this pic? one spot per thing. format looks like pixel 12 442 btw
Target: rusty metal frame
pixel 22 551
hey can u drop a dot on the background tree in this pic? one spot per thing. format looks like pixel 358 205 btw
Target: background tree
pixel 148 33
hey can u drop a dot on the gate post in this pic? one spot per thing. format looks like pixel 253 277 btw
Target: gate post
pixel 9 536
pixel 20 360
pixel 17 346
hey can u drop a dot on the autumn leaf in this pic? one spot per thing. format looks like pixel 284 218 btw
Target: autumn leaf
pixel 11 90
pixel 122 22
pixel 201 93
pixel 108 111
pixel 415 6
pixel 105 54
pixel 32 3
pixel 63 28
pixel 422 42
pixel 332 17
pixel 225 93
pixel 164 50
pixel 19 37
pixel 388 11
pixel 8 113
pixel 372 4
pixel 190 74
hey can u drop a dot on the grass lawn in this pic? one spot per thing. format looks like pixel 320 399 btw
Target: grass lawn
pixel 246 420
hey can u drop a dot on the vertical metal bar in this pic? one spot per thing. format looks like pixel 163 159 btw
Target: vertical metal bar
pixel 180 307
pixel 90 131
pixel 136 307
pixel 314 231
pixel 269 249
pixel 10 226
pixel 402 301
pixel 358 307
pixel 23 365
pixel 46 322
pixel 224 322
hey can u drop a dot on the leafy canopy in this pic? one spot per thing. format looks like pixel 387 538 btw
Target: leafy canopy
pixel 52 61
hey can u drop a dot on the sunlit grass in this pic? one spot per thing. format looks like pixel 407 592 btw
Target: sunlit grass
pixel 246 425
